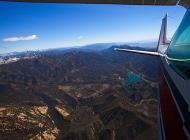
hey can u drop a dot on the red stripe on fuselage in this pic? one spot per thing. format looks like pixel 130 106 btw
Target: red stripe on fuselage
pixel 172 122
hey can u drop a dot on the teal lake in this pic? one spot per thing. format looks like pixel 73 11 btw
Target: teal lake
pixel 131 78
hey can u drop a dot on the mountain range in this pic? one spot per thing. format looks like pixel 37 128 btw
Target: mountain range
pixel 79 95
pixel 91 47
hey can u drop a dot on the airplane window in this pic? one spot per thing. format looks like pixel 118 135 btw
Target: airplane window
pixel 62 78
pixel 178 53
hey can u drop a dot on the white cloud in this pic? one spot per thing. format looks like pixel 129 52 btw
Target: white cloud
pixel 14 39
pixel 4 47
pixel 80 37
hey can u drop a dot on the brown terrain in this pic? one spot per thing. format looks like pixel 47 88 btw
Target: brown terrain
pixel 79 96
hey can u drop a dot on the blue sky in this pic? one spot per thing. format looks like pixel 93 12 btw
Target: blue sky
pixel 30 26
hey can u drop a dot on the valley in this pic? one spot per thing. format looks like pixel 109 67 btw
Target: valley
pixel 79 95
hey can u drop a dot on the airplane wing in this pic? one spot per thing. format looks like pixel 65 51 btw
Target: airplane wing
pixel 128 2
pixel 139 51
pixel 162 42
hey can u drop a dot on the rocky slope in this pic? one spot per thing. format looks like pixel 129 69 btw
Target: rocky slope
pixel 79 95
